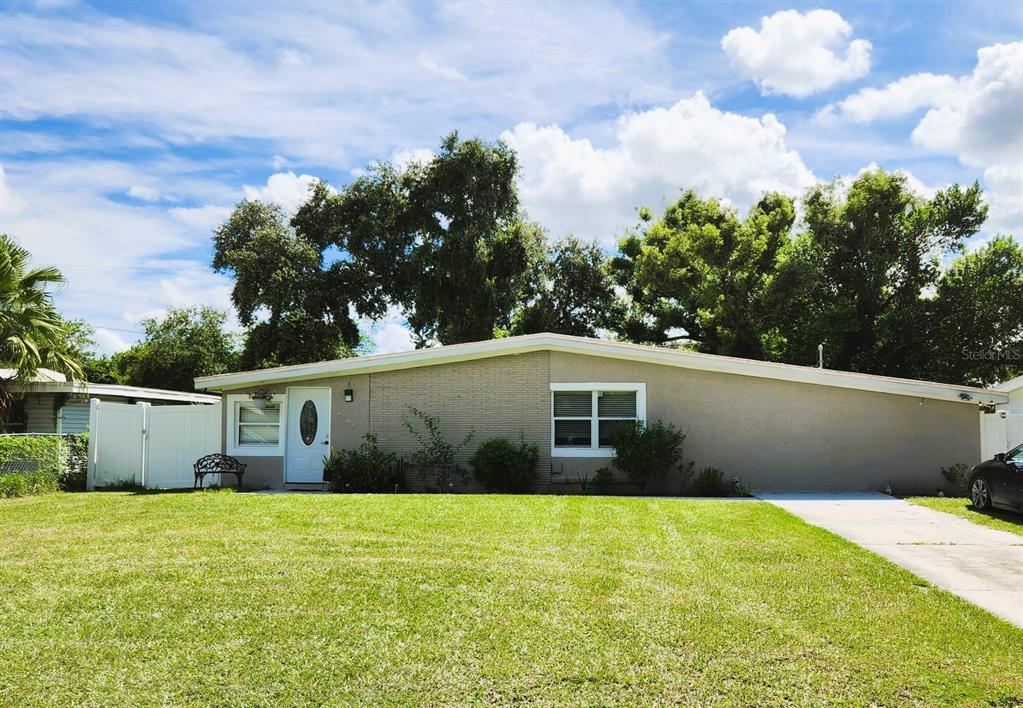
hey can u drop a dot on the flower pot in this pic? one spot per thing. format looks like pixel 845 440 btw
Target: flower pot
pixel 259 403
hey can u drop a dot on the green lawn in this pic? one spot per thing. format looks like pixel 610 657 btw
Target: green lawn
pixel 242 599
pixel 995 518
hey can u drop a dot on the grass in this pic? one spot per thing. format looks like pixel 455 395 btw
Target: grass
pixel 995 518
pixel 240 599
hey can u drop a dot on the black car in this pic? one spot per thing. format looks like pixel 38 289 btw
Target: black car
pixel 999 482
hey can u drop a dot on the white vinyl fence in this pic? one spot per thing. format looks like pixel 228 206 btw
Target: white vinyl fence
pixel 1000 432
pixel 154 446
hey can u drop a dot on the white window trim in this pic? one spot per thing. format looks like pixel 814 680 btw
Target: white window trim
pixel 593 387
pixel 231 433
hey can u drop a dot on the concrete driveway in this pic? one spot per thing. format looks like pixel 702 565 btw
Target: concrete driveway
pixel 982 565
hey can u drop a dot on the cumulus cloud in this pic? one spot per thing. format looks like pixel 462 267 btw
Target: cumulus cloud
pixel 284 188
pixel 572 186
pixel 390 333
pixel 898 98
pixel 798 54
pixel 978 118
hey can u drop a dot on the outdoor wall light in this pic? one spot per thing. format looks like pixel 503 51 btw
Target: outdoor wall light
pixel 349 395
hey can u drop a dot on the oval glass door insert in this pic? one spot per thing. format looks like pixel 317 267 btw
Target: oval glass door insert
pixel 307 421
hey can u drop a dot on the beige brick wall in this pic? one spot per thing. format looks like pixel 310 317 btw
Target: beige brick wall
pixel 498 397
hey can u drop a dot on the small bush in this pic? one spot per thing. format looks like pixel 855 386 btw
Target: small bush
pixel 436 457
pixel 956 474
pixel 600 482
pixel 505 467
pixel 367 469
pixel 122 485
pixel 741 489
pixel 710 482
pixel 23 484
pixel 648 453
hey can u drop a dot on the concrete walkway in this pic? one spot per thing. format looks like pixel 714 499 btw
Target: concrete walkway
pixel 980 564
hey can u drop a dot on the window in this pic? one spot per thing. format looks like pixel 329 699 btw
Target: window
pixel 259 426
pixel 252 430
pixel 584 416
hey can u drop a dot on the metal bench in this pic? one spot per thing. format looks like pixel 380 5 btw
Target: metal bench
pixel 217 464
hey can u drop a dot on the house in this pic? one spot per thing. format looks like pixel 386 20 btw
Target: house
pixel 775 426
pixel 52 404
pixel 1001 426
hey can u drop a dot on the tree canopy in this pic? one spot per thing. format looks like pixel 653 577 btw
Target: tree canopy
pixel 700 273
pixel 857 277
pixel 185 343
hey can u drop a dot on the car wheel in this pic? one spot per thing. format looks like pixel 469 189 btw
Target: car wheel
pixel 980 493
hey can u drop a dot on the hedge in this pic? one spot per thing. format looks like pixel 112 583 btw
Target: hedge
pixel 37 464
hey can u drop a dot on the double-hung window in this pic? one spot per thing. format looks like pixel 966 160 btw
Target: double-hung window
pixel 584 416
pixel 254 429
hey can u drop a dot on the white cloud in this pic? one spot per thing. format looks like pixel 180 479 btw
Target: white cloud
pixel 445 72
pixel 390 333
pixel 571 186
pixel 978 118
pixel 798 54
pixel 1003 190
pixel 898 98
pixel 146 194
pixel 284 188
pixel 206 217
pixel 403 158
pixel 110 342
pixel 983 123
pixel 338 88
pixel 121 260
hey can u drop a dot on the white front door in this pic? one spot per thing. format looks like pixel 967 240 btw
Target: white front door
pixel 308 437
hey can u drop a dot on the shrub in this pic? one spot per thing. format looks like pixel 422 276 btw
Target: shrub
pixel 367 469
pixel 504 467
pixel 74 462
pixel 648 453
pixel 956 474
pixel 600 482
pixel 435 457
pixel 710 482
pixel 23 484
pixel 29 464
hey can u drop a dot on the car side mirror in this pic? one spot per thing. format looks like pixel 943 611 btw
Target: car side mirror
pixel 1000 456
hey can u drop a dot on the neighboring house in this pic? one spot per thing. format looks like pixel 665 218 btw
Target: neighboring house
pixel 52 404
pixel 1014 390
pixel 776 426
pixel 1001 427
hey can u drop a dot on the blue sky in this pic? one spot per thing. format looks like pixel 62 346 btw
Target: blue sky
pixel 130 129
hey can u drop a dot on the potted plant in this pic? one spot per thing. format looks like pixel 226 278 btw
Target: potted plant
pixel 261 397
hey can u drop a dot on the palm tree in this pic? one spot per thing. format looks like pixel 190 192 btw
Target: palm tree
pixel 32 332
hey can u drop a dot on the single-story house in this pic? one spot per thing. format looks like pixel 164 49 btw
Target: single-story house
pixel 1014 390
pixel 1001 425
pixel 52 404
pixel 775 426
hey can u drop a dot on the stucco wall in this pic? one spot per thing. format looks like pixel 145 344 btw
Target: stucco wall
pixel 783 435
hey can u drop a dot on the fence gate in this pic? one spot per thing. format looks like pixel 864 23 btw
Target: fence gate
pixel 1000 432
pixel 154 446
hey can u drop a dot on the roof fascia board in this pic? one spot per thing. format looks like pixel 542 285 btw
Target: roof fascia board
pixel 155 394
